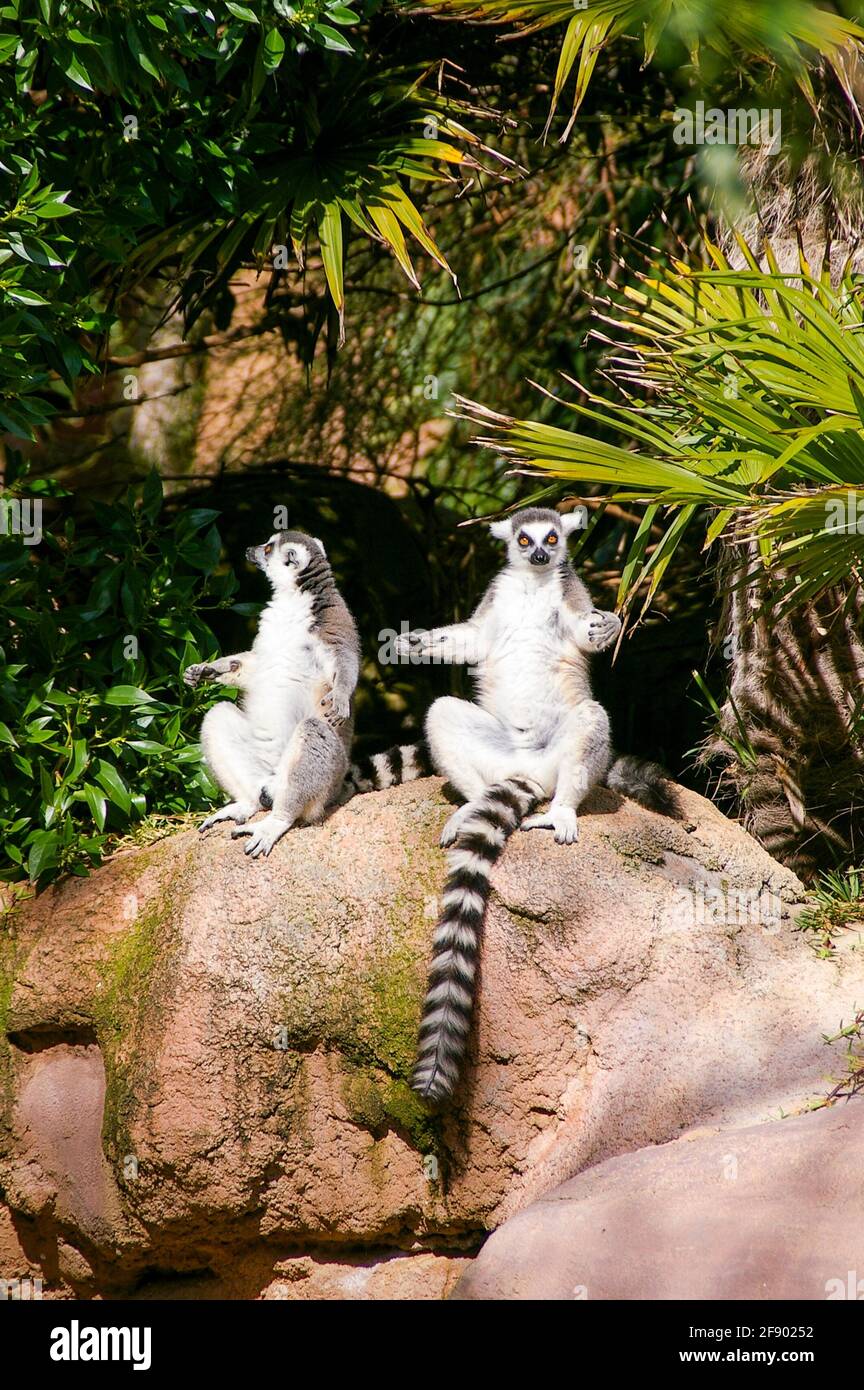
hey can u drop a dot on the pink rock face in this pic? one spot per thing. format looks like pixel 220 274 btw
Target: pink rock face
pixel 60 1110
pixel 760 1213
pixel 255 1023
pixel 418 1277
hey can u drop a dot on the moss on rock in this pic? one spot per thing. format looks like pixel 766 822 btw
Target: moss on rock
pixel 371 1015
pixel 134 987
pixel 9 963
pixel 377 1102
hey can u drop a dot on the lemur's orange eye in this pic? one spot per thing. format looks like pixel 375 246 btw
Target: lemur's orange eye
pixel 523 541
pixel 268 549
pixel 552 538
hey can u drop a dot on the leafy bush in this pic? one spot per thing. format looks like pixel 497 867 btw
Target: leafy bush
pixel 190 138
pixel 97 729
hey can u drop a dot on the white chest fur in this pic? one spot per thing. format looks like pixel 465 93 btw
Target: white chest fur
pixel 526 638
pixel 292 665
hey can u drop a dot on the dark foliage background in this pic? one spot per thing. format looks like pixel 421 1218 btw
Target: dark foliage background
pixel 227 250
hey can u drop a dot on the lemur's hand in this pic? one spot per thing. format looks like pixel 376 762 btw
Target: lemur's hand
pixel 603 628
pixel 211 670
pixel 410 642
pixel 336 707
pixel 194 675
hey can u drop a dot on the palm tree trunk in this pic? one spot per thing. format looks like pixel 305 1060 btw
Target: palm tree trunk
pixel 796 690
pixel 796 704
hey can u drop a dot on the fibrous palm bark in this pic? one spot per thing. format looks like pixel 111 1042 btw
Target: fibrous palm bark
pixel 793 716
pixel 796 684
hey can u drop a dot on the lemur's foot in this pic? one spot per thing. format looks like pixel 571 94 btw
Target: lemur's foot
pixel 263 835
pixel 235 811
pixel 454 824
pixel 560 819
pixel 603 628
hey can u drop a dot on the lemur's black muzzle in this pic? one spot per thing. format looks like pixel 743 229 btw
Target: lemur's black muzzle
pixel 539 557
pixel 252 555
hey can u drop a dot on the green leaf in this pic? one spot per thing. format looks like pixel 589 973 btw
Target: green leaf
pixel 151 497
pixel 46 785
pixel 77 74
pixel 97 803
pixel 56 209
pixel 44 853
pixel 330 238
pixel 331 38
pixel 189 755
pixel 274 50
pixel 127 695
pixel 24 296
pixel 139 52
pixel 79 760
pixel 108 777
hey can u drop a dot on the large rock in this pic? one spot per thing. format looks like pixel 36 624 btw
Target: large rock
pixel 203 1058
pixel 769 1212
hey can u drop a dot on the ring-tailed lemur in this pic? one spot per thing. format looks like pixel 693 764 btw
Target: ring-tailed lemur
pixel 534 733
pixel 285 746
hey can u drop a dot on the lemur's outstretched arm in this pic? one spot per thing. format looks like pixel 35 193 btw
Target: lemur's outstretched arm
pixel 235 671
pixel 458 644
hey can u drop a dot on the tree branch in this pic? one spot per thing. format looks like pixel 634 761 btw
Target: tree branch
pixel 210 343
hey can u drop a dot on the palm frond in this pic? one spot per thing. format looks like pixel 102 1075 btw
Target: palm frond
pixel 745 396
pixel 791 34
pixel 370 145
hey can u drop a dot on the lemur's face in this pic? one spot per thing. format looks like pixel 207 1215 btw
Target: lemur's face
pixel 536 538
pixel 285 557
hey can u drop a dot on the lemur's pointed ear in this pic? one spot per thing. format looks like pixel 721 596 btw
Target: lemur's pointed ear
pixel 574 521
pixel 319 543
pixel 501 530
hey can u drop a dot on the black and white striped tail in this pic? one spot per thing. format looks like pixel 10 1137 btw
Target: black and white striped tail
pixel 403 763
pixel 449 1002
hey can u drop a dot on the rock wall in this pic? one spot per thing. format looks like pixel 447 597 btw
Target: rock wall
pixel 204 1058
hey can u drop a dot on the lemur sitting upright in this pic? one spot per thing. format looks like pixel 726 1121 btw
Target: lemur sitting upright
pixel 286 746
pixel 534 734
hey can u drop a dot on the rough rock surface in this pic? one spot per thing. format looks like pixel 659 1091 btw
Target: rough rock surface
pixel 203 1058
pixel 768 1212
